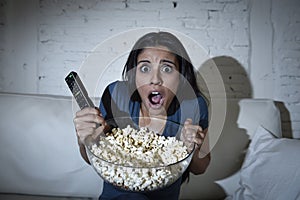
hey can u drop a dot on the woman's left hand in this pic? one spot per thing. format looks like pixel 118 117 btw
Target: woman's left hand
pixel 192 134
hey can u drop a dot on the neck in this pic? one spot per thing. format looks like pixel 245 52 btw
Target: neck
pixel 155 123
pixel 145 113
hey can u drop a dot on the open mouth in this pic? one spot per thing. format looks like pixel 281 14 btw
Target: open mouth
pixel 155 98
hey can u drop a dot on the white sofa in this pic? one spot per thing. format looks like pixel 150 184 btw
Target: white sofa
pixel 40 159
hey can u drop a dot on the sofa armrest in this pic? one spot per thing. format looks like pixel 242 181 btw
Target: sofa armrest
pixel 39 152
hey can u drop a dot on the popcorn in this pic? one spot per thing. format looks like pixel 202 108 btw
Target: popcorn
pixel 139 160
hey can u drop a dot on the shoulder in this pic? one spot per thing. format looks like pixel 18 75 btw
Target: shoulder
pixel 115 90
pixel 202 101
pixel 118 91
pixel 198 101
pixel 116 86
pixel 196 109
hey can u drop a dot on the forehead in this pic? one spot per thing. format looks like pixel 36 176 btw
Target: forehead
pixel 156 53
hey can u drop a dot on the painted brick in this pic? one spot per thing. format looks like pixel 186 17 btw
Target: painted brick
pixel 67 32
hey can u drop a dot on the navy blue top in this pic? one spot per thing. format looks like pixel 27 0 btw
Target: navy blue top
pixel 116 102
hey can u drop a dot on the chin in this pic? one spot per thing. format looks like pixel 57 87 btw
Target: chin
pixel 157 111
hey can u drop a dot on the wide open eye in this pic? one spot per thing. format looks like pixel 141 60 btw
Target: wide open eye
pixel 166 69
pixel 145 69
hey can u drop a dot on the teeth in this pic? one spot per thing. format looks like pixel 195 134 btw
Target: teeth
pixel 155 97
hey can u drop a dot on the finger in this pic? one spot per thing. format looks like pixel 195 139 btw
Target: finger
pixel 85 125
pixel 188 121
pixel 202 135
pixel 190 147
pixel 88 110
pixel 199 137
pixel 189 124
pixel 83 133
pixel 190 134
pixel 202 132
pixel 200 129
pixel 188 141
pixel 89 118
pixel 198 141
pixel 99 130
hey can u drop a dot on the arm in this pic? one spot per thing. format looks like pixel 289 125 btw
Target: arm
pixel 87 119
pixel 83 153
pixel 201 158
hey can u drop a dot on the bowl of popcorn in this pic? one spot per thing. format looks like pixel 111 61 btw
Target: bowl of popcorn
pixel 139 158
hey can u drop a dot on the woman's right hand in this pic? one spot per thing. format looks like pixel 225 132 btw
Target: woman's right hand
pixel 87 122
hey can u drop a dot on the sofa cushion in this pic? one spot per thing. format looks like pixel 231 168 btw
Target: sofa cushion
pixel 271 169
pixel 39 152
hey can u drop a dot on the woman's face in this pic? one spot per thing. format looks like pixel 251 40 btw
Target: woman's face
pixel 157 79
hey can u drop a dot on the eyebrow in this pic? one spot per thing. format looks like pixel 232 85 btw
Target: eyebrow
pixel 167 61
pixel 162 61
pixel 141 61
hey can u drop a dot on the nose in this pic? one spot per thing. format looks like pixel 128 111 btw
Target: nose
pixel 156 78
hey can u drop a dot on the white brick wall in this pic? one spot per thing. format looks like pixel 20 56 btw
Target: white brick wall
pixel 42 40
pixel 286 60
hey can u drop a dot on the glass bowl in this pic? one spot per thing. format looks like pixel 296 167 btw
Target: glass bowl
pixel 145 170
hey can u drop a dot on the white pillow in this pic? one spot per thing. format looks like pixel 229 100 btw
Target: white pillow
pixel 271 169
pixel 257 112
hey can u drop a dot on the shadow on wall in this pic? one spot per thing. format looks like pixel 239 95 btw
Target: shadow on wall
pixel 235 78
pixel 286 124
pixel 229 152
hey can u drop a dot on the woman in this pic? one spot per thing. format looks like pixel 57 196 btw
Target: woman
pixel 158 82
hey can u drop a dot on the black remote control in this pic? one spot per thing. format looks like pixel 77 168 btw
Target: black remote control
pixel 78 90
